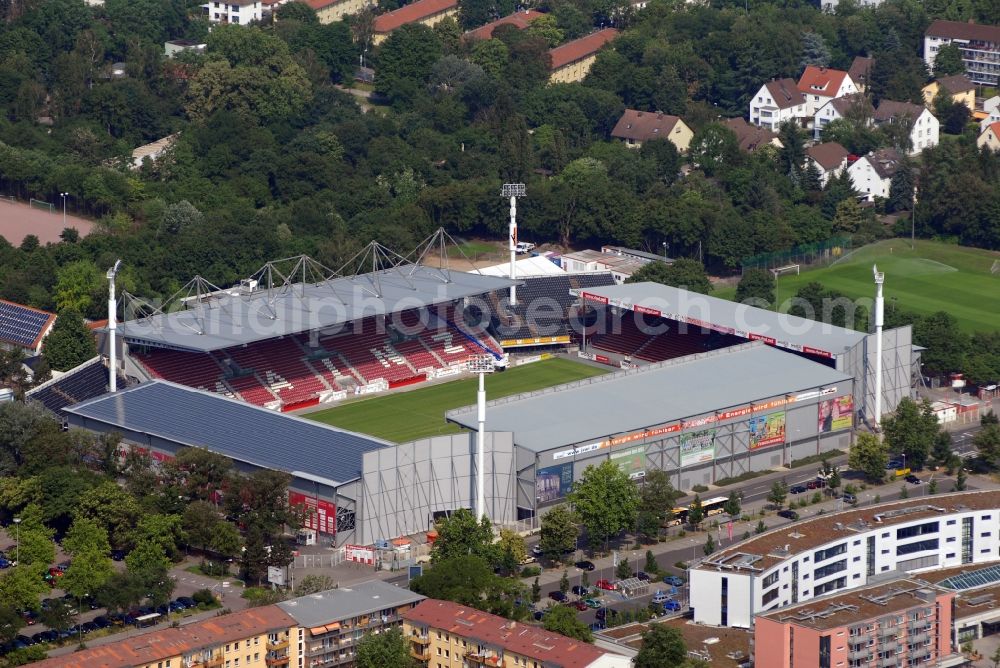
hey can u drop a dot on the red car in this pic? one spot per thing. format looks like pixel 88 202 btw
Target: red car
pixel 579 605
pixel 604 584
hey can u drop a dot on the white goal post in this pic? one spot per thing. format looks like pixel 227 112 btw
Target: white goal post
pixel 995 269
pixel 786 270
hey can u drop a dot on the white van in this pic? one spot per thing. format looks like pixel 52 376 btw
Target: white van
pixel 522 247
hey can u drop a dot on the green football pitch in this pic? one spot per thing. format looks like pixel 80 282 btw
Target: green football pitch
pixel 419 413
pixel 932 277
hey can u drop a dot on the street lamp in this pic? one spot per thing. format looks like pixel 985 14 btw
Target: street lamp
pixel 17 540
pixel 665 247
pixel 64 196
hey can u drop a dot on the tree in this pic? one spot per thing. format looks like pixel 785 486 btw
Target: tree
pixel 79 287
pixel 112 508
pixel 606 501
pixel 181 216
pixel 987 442
pixel 961 479
pixel 870 456
pixel 406 59
pixel 510 549
pixel 197 473
pixel 657 494
pixel 778 493
pixel 91 566
pixel 709 547
pixel 20 587
pixel 10 623
pixel 756 288
pixel 313 584
pixel 562 619
pixel 911 431
pixel 558 532
pixel 714 148
pixel 792 153
pixel 461 534
pixel 814 50
pixel 167 531
pixel 564 582
pixel 536 591
pixel 199 523
pixel 683 273
pixel 946 344
pixel 469 580
pixel 69 344
pixel 147 565
pixel 901 190
pixel 662 646
pixel 623 571
pixel 388 649
pixel 732 507
pixel 696 513
pixel 948 61
pixel 547 28
pixel 941 451
pixel 989 418
pixel 226 541
pixel 651 566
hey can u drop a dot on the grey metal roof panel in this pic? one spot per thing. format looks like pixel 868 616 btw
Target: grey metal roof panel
pixel 335 605
pixel 230 318
pixel 654 395
pixel 787 331
pixel 240 431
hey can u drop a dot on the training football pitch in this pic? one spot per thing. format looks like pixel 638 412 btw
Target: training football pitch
pixel 420 413
pixel 932 277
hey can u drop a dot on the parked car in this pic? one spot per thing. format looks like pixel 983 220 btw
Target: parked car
pixel 102 622
pixel 592 603
pixel 604 584
pixel 914 480
pixel 118 555
pixel 643 575
pixel 672 605
pixel 849 498
pixel 522 247
pixel 585 565
pixel 557 596
pixel 661 596
pixel 4 562
pixel 797 489
pixel 174 606
pixel 536 550
pixel 788 513
pixel 579 605
pixel 538 615
pixel 597 626
pixel 186 601
pixel 894 464
pixel 88 627
pixel 579 590
pixel 674 580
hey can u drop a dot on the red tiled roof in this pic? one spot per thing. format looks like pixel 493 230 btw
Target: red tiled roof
pixel 644 125
pixel 784 93
pixel 829 155
pixel 570 52
pixel 821 81
pixel 519 20
pixel 551 649
pixel 152 647
pixel 960 30
pixel 411 13
pixel 996 129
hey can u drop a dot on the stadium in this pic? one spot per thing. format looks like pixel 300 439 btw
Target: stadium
pixel 696 390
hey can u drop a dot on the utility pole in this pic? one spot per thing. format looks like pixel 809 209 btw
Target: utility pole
pixel 112 326
pixel 512 191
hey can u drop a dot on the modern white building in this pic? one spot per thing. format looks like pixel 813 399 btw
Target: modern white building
pixel 819 85
pixel 843 551
pixel 991 108
pixel 924 127
pixel 979 44
pixel 871 175
pixel 239 12
pixel 776 102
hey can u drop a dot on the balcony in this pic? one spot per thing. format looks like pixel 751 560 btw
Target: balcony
pixel 275 661
pixel 917 627
pixel 917 638
pixel 275 645
pixel 890 645
pixel 475 658
pixel 419 640
pixel 886 631
pixel 420 654
pixel 887 662
pixel 860 655
pixel 919 652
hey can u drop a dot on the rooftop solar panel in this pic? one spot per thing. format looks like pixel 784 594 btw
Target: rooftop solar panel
pixel 21 325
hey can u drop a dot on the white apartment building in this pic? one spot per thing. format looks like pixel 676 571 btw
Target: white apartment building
pixel 979 44
pixel 776 102
pixel 240 12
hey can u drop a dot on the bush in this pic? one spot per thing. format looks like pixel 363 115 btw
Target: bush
pixel 203 597
pixel 699 489
pixel 682 565
pixel 816 497
pixel 531 571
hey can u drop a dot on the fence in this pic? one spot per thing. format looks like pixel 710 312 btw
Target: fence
pixel 9 199
pixel 819 253
pixel 39 204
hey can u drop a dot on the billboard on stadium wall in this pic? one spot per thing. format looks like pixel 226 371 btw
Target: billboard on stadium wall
pixel 631 461
pixel 697 447
pixel 553 483
pixel 766 429
pixel 836 414
pixel 320 515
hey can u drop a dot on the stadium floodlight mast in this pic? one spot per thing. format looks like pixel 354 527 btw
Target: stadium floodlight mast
pixel 481 365
pixel 879 314
pixel 513 191
pixel 112 308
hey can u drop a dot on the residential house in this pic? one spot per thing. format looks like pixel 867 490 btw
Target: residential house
pixel 572 61
pixel 239 12
pixel 520 20
pixel 979 44
pixel 443 634
pixel 776 102
pixel 872 174
pixel 959 87
pixel 334 621
pixel 330 11
pixel 990 137
pixel 990 113
pixel 152 151
pixel 924 127
pixel 425 12
pixel 24 327
pixel 831 5
pixel 636 127
pixel 841 107
pixel 264 637
pixel 751 137
pixel 175 46
pixel 860 70
pixel 819 85
pixel 829 158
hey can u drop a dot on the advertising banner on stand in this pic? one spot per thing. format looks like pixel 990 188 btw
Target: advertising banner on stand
pixel 697 447
pixel 320 515
pixel 767 429
pixel 553 483
pixel 836 414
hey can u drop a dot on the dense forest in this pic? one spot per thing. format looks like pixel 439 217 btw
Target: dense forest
pixel 273 158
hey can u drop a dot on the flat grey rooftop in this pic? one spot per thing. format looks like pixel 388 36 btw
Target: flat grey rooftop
pixel 653 395
pixel 788 331
pixel 233 317
pixel 238 430
pixel 335 605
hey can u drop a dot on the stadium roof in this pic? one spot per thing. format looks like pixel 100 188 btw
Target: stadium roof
pixel 238 316
pixel 535 265
pixel 334 605
pixel 23 326
pixel 780 329
pixel 86 381
pixel 238 430
pixel 653 395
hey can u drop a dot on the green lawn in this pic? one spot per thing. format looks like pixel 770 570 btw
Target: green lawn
pixel 420 413
pixel 933 277
pixel 474 249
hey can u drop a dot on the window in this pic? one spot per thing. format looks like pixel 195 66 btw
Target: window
pixel 950 522
pixel 770 579
pixel 985 534
pixel 916 530
pixel 919 546
pixel 950 555
pixel 769 596
pixel 821 555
